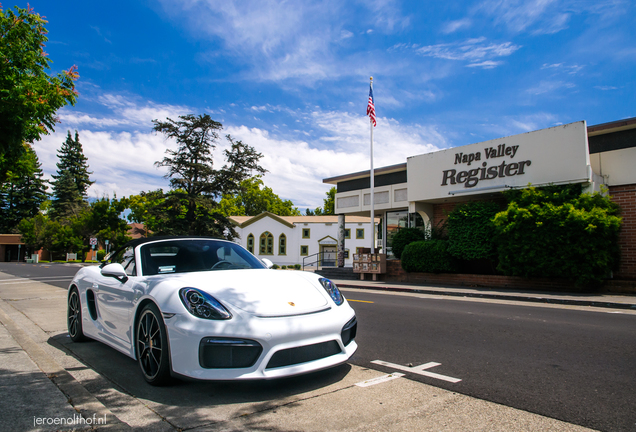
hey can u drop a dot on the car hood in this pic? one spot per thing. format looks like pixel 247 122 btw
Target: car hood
pixel 265 293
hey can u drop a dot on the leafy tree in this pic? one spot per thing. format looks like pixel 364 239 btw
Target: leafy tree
pixel 23 192
pixel 142 209
pixel 558 232
pixel 191 205
pixel 29 97
pixel 329 205
pixel 71 235
pixel 41 232
pixel 72 180
pixel 253 198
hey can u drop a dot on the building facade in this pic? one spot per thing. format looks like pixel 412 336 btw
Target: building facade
pixel 425 188
pixel 289 240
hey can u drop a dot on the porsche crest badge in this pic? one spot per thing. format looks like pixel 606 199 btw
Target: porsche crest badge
pixel 291 303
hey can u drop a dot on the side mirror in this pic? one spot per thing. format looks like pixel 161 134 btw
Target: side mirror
pixel 115 270
pixel 268 263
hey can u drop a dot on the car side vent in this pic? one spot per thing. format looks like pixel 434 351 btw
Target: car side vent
pixel 303 354
pixel 92 306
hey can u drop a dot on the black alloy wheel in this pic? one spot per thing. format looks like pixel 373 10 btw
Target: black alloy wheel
pixel 74 316
pixel 153 352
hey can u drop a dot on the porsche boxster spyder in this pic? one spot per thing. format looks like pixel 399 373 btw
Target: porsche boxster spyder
pixel 208 309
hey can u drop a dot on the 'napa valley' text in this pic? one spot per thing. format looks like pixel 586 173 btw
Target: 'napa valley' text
pixel 471 177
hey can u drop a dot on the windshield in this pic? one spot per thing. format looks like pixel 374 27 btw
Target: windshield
pixel 192 255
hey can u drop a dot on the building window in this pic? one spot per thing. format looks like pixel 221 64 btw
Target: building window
pixel 266 244
pixel 304 250
pixel 359 233
pixel 347 233
pixel 306 233
pixel 282 245
pixel 346 254
pixel 250 243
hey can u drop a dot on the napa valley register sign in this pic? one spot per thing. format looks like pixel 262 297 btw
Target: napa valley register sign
pixel 555 155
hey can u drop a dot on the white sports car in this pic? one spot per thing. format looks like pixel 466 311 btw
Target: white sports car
pixel 208 309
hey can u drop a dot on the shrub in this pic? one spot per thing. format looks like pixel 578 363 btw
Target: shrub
pixel 284 267
pixel 297 266
pixel 404 237
pixel 101 254
pixel 275 266
pixel 558 232
pixel 430 256
pixel 471 231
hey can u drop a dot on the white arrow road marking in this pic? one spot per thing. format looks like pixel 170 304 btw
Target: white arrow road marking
pixel 420 370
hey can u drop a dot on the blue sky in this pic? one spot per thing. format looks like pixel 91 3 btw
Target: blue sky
pixel 291 79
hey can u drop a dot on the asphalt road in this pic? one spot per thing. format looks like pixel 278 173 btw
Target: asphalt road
pixel 566 363
pixel 59 275
pixel 573 365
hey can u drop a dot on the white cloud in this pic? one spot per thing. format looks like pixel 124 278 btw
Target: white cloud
pixel 520 15
pixel 549 87
pixel 453 26
pixel 477 51
pixel 488 64
pixel 605 88
pixel 297 168
pixel 334 143
pixel 124 112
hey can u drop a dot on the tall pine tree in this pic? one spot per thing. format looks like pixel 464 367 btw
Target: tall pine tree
pixel 191 207
pixel 23 191
pixel 71 183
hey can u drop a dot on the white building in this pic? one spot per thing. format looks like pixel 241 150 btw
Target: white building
pixel 288 240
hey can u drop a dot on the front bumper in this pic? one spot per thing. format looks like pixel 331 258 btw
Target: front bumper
pixel 290 345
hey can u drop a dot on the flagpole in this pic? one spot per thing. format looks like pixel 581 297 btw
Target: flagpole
pixel 372 184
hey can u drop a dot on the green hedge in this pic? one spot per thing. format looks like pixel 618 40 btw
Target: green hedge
pixel 558 232
pixel 404 237
pixel 430 256
pixel 471 231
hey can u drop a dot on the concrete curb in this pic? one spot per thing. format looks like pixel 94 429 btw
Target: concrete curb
pixel 532 298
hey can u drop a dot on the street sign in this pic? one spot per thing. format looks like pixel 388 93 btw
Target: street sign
pixel 93 241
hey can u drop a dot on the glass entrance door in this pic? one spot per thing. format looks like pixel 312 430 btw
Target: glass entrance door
pixel 394 221
pixel 329 256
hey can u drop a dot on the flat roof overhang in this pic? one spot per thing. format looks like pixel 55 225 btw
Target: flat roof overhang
pixel 363 174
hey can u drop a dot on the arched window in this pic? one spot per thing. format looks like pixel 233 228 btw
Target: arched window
pixel 266 244
pixel 250 243
pixel 282 245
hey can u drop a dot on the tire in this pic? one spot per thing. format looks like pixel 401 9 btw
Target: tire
pixel 153 352
pixel 74 316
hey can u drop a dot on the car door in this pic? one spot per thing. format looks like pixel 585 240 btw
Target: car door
pixel 115 299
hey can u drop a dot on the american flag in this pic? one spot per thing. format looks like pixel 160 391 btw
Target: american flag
pixel 371 106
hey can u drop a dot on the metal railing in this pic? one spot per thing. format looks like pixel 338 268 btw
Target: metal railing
pixel 321 261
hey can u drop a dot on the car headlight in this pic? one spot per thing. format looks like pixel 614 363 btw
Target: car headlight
pixel 203 305
pixel 332 290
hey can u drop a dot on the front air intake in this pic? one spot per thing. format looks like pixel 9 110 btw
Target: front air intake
pixel 303 354
pixel 225 353
pixel 349 331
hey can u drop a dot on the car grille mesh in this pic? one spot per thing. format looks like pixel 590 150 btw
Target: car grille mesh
pixel 219 353
pixel 303 354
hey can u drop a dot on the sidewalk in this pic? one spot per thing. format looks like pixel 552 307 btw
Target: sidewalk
pixel 612 301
